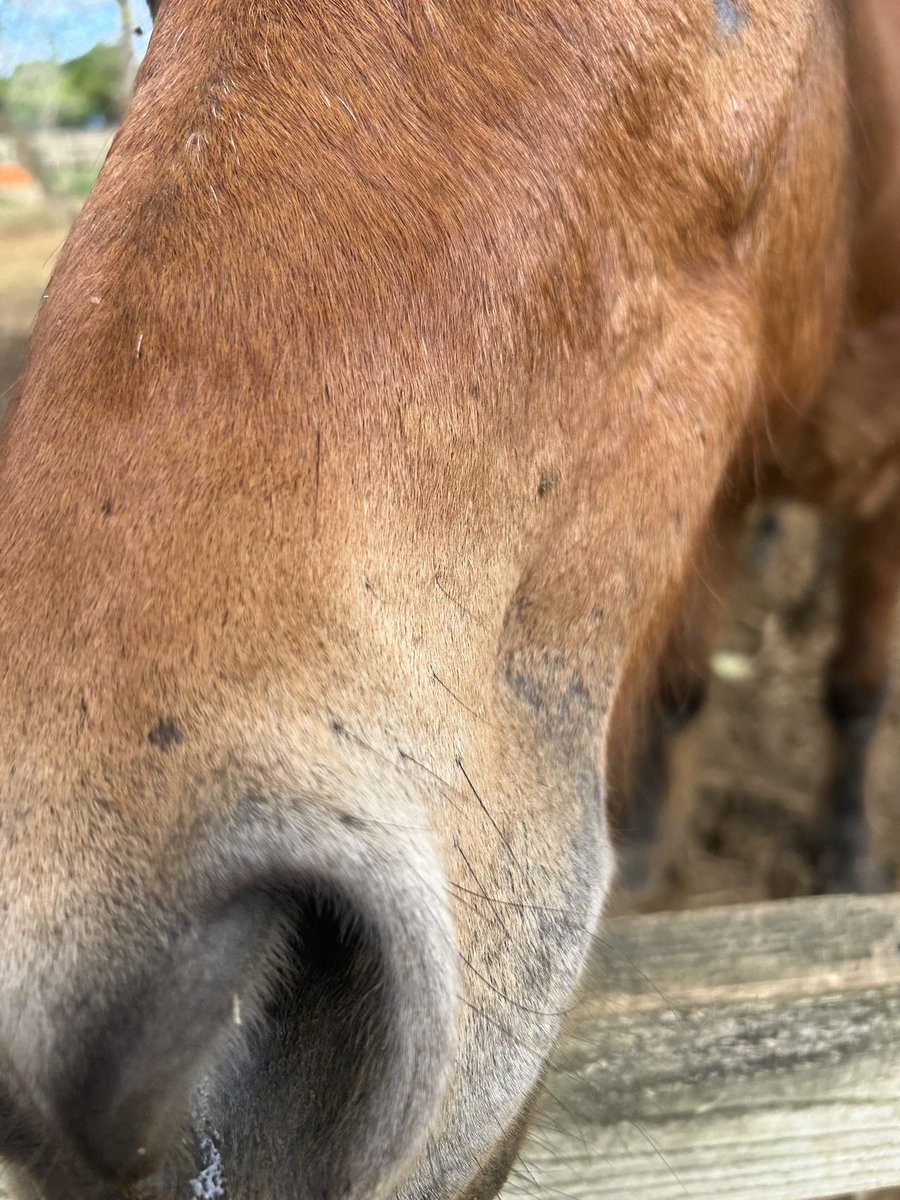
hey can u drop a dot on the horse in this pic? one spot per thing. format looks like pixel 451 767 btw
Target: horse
pixel 375 414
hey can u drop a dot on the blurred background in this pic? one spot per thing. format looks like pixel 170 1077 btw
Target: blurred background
pixel 761 760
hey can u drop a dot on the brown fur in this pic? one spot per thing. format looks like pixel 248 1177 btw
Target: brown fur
pixel 379 404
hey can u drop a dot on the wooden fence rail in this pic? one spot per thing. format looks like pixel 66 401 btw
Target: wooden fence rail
pixel 747 1053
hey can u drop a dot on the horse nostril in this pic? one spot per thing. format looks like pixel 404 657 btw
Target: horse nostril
pixel 328 992
pixel 349 1031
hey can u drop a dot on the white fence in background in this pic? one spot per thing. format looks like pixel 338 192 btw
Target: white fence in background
pixel 64 147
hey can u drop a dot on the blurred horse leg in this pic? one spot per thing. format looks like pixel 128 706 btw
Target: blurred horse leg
pixel 856 686
pixel 664 773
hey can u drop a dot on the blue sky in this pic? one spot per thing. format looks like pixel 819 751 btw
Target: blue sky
pixel 31 29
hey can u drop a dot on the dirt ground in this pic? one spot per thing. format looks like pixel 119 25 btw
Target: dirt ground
pixel 763 742
pixel 26 260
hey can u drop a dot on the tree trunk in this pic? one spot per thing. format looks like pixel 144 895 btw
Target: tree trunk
pixel 129 66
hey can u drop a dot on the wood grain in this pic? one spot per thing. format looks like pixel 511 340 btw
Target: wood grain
pixel 736 1052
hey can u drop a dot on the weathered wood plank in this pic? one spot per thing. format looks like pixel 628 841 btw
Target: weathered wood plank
pixel 738 1052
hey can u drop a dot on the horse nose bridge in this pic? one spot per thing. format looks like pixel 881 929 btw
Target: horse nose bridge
pixel 228 961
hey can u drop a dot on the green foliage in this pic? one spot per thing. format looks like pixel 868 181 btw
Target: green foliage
pixel 69 94
pixel 94 85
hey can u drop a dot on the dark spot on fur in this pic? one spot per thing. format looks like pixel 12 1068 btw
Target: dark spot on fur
pixel 165 735
pixel 547 485
pixel 106 508
pixel 550 686
pixel 525 686
pixel 351 821
pixel 103 804
pixel 520 606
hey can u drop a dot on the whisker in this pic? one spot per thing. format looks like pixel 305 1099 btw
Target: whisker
pixel 484 808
